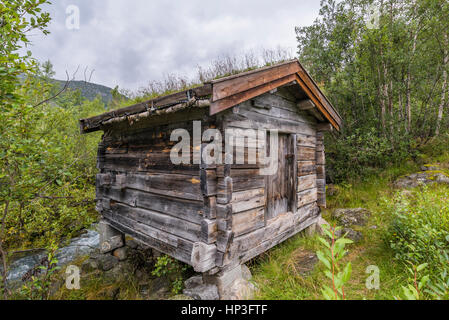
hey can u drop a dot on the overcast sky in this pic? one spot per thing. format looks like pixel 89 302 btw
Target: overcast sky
pixel 129 42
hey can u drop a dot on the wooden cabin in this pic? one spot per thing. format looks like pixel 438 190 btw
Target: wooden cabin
pixel 215 216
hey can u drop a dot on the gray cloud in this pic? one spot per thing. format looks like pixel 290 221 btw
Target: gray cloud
pixel 129 42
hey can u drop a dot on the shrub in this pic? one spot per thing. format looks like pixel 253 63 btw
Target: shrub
pixel 419 232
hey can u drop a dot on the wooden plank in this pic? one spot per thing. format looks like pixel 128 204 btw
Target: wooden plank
pixel 306 140
pixel 246 200
pixel 250 119
pixel 190 210
pixel 317 102
pixel 306 168
pixel 209 231
pixel 163 222
pixel 282 109
pixel 174 185
pixel 248 221
pixel 181 252
pixel 246 179
pixel 232 100
pixel 203 257
pixel 93 123
pixel 306 154
pixel 224 88
pixel 307 196
pixel 321 172
pixel 307 182
pixel 320 158
pixel 292 171
pixel 224 190
pixel 306 104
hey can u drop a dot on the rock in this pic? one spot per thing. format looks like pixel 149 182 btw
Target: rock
pixel 110 238
pixel 224 280
pixel 116 272
pixel 89 266
pixel 246 273
pixel 121 253
pixel 193 282
pixel 429 167
pixel 305 261
pixel 181 297
pixel 422 178
pixel 355 236
pixel 350 217
pixel 241 289
pixel 441 178
pixel 144 289
pixel 159 289
pixel 111 244
pixel 107 261
pixel 132 244
pixel 203 292
pixel 319 225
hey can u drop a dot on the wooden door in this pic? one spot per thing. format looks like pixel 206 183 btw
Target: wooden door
pixel 281 185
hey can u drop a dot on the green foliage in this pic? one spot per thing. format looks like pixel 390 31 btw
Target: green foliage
pixel 387 82
pixel 334 251
pixel 413 291
pixel 420 227
pixel 17 19
pixel 168 267
pixel 38 287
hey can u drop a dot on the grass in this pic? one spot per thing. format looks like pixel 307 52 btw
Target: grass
pixel 277 281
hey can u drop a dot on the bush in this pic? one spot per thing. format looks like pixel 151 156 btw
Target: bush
pixel 419 232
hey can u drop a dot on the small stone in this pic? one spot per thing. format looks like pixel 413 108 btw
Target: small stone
pixel 89 266
pixel 349 233
pixel 429 167
pixel 203 292
pixel 193 282
pixel 132 243
pixel 107 262
pixel 121 253
pixel 352 216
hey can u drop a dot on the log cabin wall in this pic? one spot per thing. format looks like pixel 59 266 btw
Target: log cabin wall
pixel 244 230
pixel 141 193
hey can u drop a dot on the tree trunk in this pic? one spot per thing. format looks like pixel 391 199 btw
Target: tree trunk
pixel 444 87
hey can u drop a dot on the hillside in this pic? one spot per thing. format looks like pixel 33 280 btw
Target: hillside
pixel 89 90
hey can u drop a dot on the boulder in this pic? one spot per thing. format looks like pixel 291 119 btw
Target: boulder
pixel 246 273
pixel 193 282
pixel 241 289
pixel 203 292
pixel 351 217
pixel 429 167
pixel 422 178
